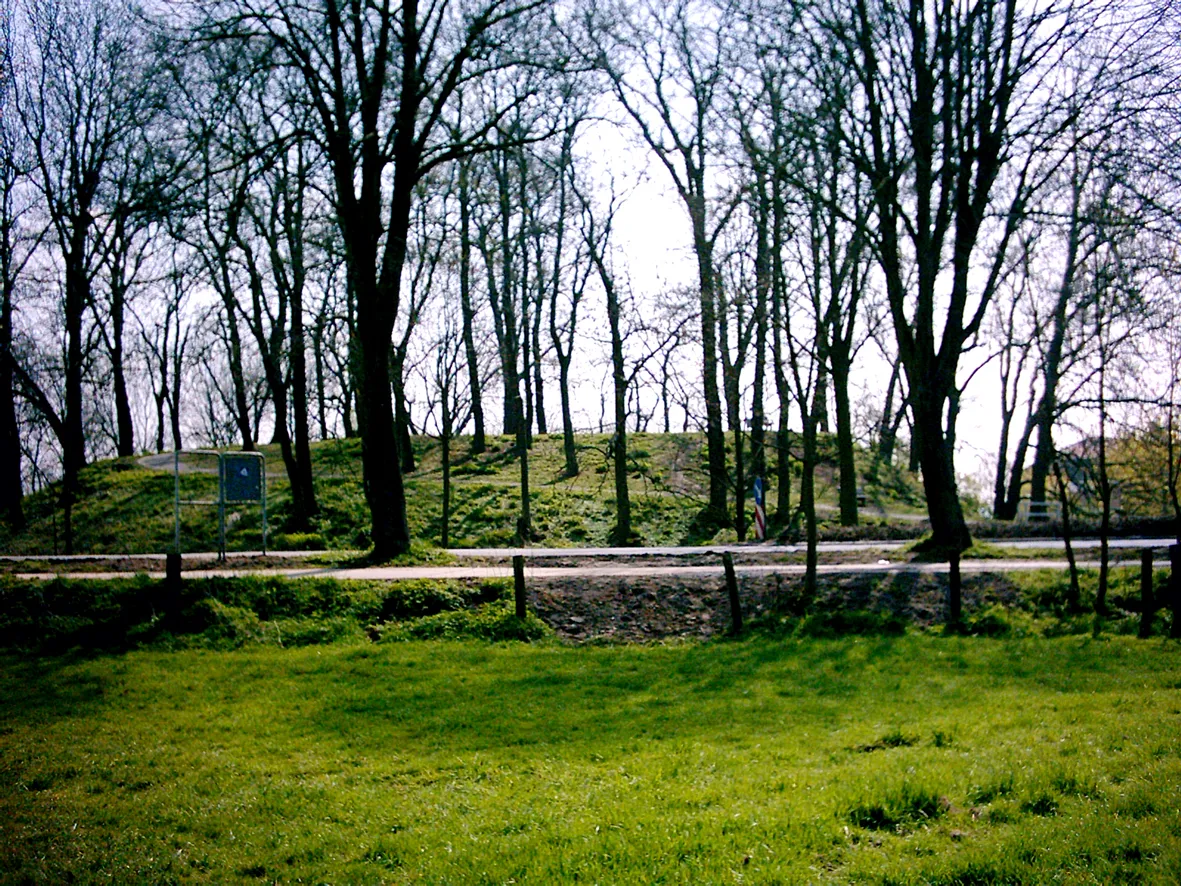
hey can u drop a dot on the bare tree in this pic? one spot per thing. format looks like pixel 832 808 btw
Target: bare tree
pixel 80 91
pixel 18 242
pixel 596 233
pixel 382 81
pixel 669 67
pixel 956 109
pixel 165 341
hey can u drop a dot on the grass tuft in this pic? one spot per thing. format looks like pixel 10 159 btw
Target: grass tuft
pixel 898 809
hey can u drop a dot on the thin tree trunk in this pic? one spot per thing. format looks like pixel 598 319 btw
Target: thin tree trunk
pixel 887 428
pixel 715 513
pixel 479 443
pixel 1074 592
pixel 445 537
pixel 538 381
pixel 782 391
pixel 936 455
pixel 299 403
pixel 622 533
pixel 125 427
pixel 845 454
pixel 758 418
pixel 1104 487
pixel 11 488
pixel 73 439
pixel 568 447
pixel 731 369
pixel 318 358
pixel 808 506
pixel 401 416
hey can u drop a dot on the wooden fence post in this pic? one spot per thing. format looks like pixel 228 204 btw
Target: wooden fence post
pixel 1147 603
pixel 955 595
pixel 1175 590
pixel 732 591
pixel 172 581
pixel 519 584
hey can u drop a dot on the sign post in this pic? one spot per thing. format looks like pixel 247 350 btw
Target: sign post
pixel 241 477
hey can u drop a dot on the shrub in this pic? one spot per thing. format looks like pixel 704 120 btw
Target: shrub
pixel 840 622
pixel 494 621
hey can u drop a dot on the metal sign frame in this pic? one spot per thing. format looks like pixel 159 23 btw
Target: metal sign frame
pixel 222 499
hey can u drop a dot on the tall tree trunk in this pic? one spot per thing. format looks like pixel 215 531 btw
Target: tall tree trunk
pixel 1012 498
pixel 445 443
pixel 845 454
pixel 11 488
pixel 782 390
pixel 936 455
pixel 73 438
pixel 525 521
pixel 1104 481
pixel 401 416
pixel 1047 411
pixel 538 381
pixel 1074 592
pixel 526 365
pixel 758 417
pixel 622 533
pixel 384 490
pixel 731 369
pixel 887 428
pixel 479 443
pixel 509 339
pixel 125 427
pixel 237 374
pixel 569 451
pixel 174 389
pixel 715 514
pixel 808 506
pixel 299 404
pixel 318 331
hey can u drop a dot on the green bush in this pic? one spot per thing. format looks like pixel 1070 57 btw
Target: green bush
pixel 494 622
pixel 227 613
pixel 297 541
pixel 840 622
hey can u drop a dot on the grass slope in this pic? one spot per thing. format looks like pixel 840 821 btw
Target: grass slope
pixel 905 760
pixel 126 507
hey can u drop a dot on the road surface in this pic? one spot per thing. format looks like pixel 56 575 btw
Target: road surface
pixel 604 563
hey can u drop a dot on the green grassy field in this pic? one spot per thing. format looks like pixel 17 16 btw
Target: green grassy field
pixel 913 759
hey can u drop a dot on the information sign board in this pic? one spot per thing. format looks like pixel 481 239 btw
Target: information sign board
pixel 241 477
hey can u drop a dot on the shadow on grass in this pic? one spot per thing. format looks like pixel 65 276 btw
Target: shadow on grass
pixel 608 696
pixel 49 688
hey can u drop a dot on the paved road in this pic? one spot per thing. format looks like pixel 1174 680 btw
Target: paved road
pixel 830 547
pixel 833 547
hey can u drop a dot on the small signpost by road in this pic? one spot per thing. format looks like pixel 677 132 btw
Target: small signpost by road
pixel 241 479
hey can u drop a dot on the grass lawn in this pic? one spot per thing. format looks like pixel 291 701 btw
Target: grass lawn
pixel 915 759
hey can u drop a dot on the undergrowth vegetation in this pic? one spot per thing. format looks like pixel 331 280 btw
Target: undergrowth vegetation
pixel 226 613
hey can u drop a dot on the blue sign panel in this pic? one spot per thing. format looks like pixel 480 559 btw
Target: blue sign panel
pixel 242 477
